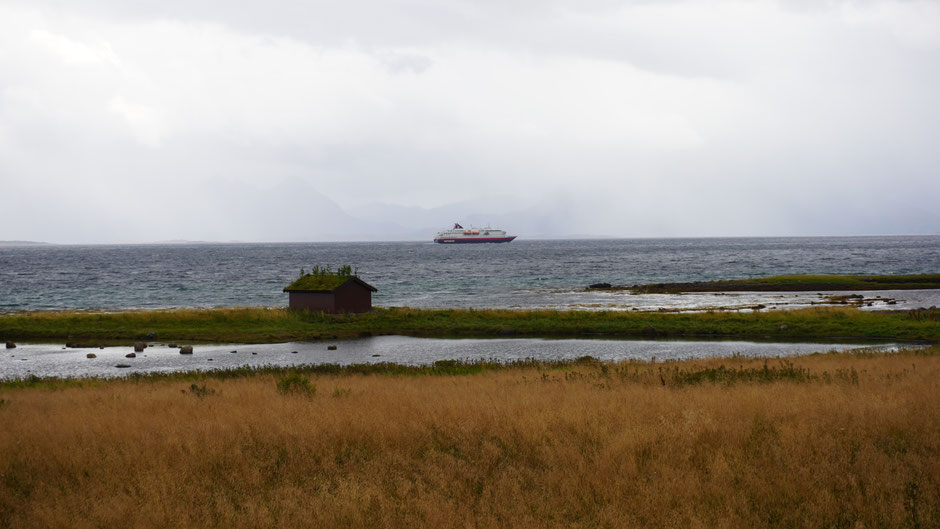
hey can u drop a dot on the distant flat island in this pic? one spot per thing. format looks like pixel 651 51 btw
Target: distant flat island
pixel 24 243
pixel 187 241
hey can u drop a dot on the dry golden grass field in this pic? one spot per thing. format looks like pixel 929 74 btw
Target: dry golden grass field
pixel 835 440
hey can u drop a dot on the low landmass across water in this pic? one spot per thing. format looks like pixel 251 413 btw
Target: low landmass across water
pixel 791 283
pixel 827 440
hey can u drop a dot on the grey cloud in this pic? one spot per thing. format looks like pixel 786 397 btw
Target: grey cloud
pixel 312 121
pixel 398 62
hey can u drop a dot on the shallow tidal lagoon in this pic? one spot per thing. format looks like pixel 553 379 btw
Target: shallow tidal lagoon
pixel 57 361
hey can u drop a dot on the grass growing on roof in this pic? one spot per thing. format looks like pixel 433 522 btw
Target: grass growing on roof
pixel 324 279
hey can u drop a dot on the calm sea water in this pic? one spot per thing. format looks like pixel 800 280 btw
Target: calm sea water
pixel 523 273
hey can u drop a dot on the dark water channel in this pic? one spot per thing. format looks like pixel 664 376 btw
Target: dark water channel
pixel 56 360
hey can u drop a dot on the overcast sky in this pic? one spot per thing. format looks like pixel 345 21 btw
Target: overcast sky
pixel 290 120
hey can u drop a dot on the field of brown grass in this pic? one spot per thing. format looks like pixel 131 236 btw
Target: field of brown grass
pixel 836 440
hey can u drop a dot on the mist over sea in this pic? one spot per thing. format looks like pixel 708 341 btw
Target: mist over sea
pixel 521 274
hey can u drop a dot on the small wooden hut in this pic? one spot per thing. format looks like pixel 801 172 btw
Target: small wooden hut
pixel 330 292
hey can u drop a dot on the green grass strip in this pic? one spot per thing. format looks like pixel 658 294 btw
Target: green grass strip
pixel 268 325
pixel 800 283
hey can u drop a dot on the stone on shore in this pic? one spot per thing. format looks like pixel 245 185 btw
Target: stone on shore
pixel 11 345
pixel 91 355
pixel 186 350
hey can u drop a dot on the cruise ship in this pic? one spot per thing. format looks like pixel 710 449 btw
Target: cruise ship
pixel 459 234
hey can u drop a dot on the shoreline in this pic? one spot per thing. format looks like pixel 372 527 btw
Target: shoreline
pixel 404 353
pixel 790 283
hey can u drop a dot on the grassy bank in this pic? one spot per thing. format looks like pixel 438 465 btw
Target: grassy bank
pixel 799 283
pixel 837 440
pixel 256 325
pixel 263 325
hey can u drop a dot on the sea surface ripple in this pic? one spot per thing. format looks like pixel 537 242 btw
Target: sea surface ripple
pixel 521 274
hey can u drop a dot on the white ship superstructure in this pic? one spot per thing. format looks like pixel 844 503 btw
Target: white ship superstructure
pixel 459 234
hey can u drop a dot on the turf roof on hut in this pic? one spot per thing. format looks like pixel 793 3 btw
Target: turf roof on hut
pixel 324 283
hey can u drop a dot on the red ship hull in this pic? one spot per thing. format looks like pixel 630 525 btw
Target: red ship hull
pixel 473 240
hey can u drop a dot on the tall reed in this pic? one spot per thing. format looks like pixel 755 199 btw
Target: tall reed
pixel 836 440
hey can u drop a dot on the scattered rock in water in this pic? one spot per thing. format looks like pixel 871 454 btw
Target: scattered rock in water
pixel 254 353
pixel 186 350
pixel 91 355
pixel 210 359
pixel 232 352
pixel 130 355
pixel 122 366
pixel 139 347
pixel 600 285
pixel 173 345
pixel 71 345
pixel 11 345
pixel 293 352
pixel 373 356
pixel 330 347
